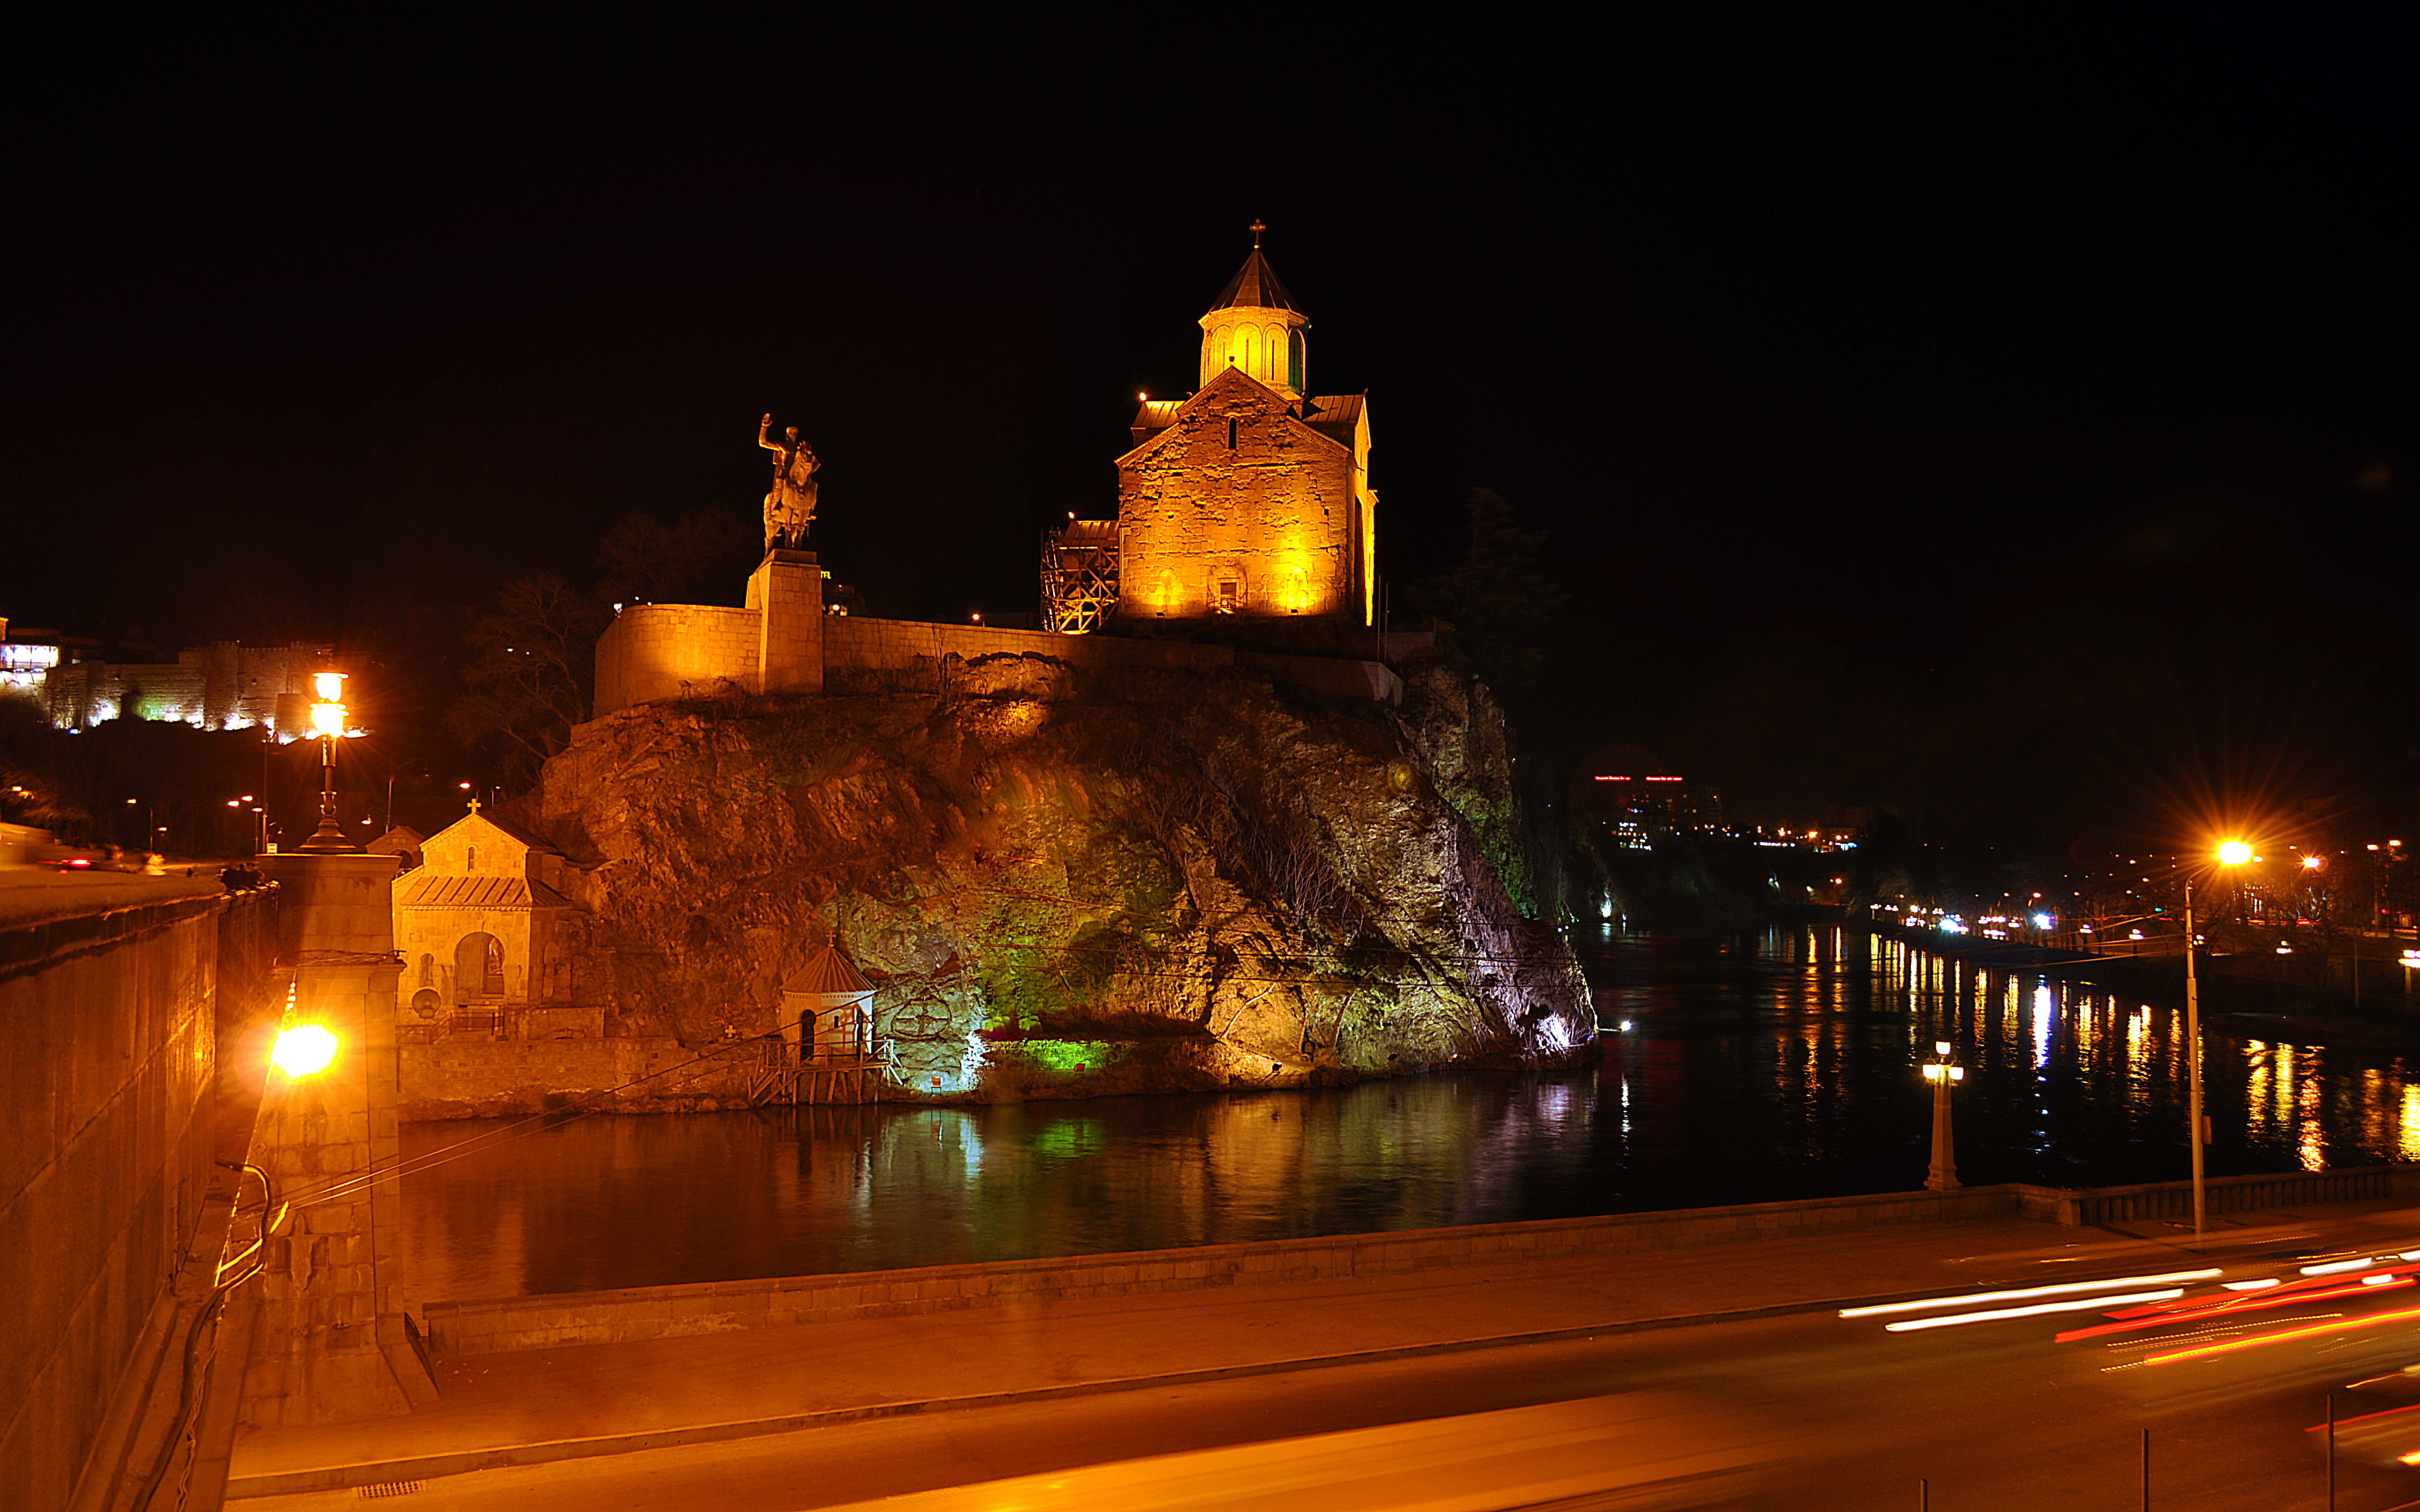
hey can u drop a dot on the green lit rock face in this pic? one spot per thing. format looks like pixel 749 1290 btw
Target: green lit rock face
pixel 1064 885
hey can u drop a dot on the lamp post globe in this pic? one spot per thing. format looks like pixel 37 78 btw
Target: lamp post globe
pixel 327 718
pixel 2232 853
pixel 1943 1072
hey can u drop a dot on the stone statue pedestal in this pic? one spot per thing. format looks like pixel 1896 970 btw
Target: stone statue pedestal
pixel 787 591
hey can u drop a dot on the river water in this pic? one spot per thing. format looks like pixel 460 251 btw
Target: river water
pixel 1755 1069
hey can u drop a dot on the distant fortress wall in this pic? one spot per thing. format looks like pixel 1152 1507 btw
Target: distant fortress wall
pixel 221 686
pixel 664 651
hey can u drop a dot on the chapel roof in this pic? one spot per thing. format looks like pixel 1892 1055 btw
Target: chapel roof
pixel 424 890
pixel 510 831
pixel 827 971
pixel 1333 415
pixel 1254 286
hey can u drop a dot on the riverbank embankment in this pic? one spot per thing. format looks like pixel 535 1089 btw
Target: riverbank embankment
pixel 550 1404
pixel 2312 1001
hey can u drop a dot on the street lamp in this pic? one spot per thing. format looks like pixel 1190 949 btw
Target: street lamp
pixel 327 718
pixel 2234 853
pixel 1943 1072
pixel 303 1049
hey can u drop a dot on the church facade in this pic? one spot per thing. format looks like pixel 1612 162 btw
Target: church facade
pixel 1250 498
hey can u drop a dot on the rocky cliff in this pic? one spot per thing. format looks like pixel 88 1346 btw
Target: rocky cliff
pixel 1065 882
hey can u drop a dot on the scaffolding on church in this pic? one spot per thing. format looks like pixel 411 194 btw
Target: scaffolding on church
pixel 1079 575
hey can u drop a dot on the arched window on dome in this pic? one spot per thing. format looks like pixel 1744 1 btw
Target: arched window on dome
pixel 1276 349
pixel 1294 362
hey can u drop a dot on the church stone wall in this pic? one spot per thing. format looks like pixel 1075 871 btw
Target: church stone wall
pixel 660 651
pixel 1264 528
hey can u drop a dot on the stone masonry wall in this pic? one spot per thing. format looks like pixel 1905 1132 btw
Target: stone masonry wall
pixel 109 1040
pixel 508 1078
pixel 660 651
pixel 1274 513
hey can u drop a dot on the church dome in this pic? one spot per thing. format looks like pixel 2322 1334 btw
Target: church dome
pixel 1256 327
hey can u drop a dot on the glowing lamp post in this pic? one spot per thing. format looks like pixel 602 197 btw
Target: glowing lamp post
pixel 1943 1072
pixel 2234 853
pixel 327 718
pixel 303 1050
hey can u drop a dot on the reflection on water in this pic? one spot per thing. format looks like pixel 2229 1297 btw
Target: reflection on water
pixel 1767 1066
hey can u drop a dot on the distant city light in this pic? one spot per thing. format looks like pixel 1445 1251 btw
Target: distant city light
pixel 2043 921
pixel 2312 863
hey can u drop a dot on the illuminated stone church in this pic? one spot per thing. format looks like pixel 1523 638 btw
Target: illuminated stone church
pixel 1246 531
pixel 1250 498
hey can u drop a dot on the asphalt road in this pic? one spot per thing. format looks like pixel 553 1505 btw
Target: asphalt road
pixel 30 894
pixel 1809 1412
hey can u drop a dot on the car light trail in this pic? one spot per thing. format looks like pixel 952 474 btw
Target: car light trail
pixel 2371 1418
pixel 2314 1287
pixel 2251 1286
pixel 2036 1291
pixel 2234 1304
pixel 2334 1266
pixel 2374 1321
pixel 2072 1305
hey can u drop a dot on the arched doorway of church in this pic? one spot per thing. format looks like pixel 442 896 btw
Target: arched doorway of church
pixel 478 967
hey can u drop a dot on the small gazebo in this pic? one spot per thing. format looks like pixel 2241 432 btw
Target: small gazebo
pixel 828 1009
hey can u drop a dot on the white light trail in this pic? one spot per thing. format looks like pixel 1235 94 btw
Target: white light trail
pixel 2029 1291
pixel 2073 1304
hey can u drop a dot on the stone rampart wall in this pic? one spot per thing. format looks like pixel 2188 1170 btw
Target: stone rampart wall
pixel 110 1037
pixel 722 1306
pixel 853 642
pixel 660 651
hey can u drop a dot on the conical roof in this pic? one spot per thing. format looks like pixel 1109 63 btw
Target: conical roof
pixel 1254 286
pixel 829 972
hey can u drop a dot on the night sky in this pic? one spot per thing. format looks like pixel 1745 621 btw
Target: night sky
pixel 2008 422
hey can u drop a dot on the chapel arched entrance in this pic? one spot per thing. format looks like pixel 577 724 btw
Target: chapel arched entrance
pixel 478 969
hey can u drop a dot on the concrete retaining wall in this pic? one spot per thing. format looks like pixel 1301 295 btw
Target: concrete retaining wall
pixel 724 1307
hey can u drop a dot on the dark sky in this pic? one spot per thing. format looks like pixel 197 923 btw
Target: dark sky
pixel 1965 412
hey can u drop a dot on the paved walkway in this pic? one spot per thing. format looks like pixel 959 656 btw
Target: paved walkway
pixel 534 1406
